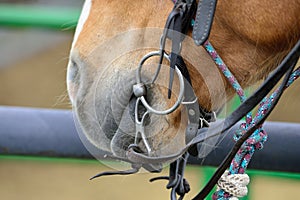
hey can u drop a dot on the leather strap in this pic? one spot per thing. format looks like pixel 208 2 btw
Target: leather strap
pixel 203 22
pixel 177 25
pixel 179 22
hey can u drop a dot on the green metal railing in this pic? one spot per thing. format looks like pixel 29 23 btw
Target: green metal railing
pixel 38 16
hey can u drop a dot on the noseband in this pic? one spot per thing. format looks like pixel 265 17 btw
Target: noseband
pixel 178 23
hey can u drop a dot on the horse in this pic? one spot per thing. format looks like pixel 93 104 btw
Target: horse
pixel 112 37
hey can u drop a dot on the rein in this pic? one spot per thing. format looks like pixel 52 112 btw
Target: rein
pixel 249 137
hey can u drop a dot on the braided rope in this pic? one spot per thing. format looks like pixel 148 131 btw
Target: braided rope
pixel 227 189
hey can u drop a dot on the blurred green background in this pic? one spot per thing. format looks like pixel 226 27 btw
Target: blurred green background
pixel 33 58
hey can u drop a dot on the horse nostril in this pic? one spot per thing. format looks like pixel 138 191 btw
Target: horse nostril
pixel 73 72
pixel 73 77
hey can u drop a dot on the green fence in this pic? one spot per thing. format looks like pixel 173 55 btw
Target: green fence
pixel 203 173
pixel 38 16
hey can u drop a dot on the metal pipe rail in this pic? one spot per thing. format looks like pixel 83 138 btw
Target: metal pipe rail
pixel 39 16
pixel 52 133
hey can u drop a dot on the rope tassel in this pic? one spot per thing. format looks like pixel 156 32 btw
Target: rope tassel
pixel 234 184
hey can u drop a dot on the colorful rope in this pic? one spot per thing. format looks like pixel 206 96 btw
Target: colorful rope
pixel 259 137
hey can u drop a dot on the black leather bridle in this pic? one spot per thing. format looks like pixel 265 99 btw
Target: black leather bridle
pixel 179 21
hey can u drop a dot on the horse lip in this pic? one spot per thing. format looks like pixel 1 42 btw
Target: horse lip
pixel 112 108
pixel 127 123
pixel 153 168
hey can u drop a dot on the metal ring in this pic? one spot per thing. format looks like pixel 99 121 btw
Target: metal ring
pixel 143 60
pixel 181 85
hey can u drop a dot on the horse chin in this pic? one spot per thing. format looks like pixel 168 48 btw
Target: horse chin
pixel 106 116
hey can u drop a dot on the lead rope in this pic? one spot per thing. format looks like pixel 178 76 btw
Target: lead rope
pixel 234 182
pixel 229 182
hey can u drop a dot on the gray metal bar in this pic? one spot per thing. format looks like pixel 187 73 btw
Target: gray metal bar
pixel 45 132
pixel 39 132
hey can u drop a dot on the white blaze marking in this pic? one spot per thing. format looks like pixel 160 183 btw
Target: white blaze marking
pixel 71 87
pixel 83 17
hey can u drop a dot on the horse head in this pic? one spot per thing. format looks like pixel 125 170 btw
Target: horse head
pixel 113 36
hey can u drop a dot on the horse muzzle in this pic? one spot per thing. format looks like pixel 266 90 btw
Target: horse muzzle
pixel 107 110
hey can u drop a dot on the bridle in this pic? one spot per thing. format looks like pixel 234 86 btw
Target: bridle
pixel 177 25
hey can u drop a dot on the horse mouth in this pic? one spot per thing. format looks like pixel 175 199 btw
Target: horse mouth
pixel 114 113
pixel 106 116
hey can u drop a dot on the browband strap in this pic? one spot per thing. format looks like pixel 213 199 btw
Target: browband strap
pixel 203 22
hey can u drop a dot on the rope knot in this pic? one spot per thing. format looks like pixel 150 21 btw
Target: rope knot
pixel 257 139
pixel 240 131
